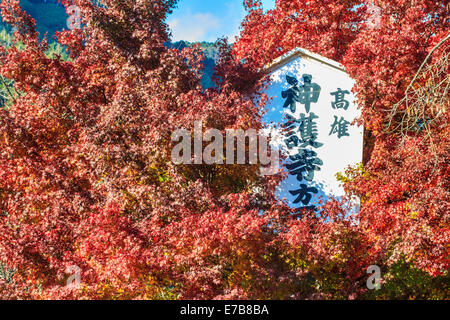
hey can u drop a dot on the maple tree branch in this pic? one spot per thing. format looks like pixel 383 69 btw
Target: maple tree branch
pixel 426 60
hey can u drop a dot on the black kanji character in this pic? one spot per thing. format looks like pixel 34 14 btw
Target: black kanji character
pixel 305 161
pixel 304 194
pixel 340 127
pixel 339 97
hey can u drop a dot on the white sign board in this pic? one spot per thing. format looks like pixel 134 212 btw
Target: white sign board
pixel 310 114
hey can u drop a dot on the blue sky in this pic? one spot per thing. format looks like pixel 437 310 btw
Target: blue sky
pixel 207 20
